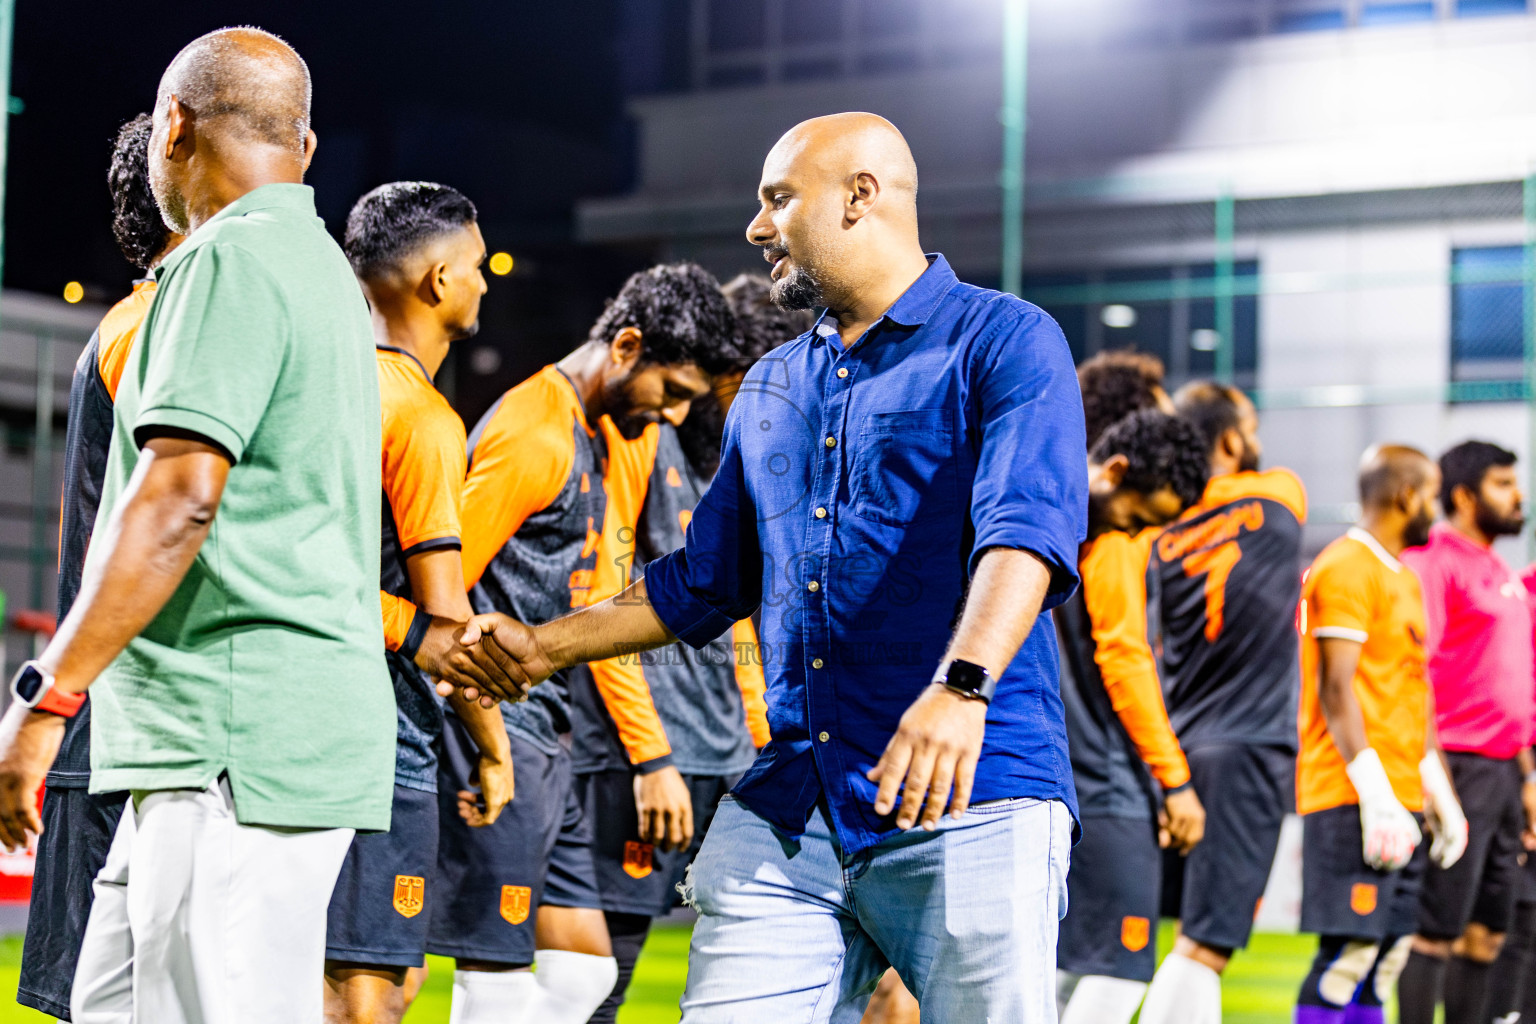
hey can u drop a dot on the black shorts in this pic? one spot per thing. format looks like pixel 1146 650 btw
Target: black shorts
pixel 1112 901
pixel 634 877
pixel 1482 886
pixel 377 908
pixel 491 881
pixel 1342 895
pixel 78 827
pixel 1247 791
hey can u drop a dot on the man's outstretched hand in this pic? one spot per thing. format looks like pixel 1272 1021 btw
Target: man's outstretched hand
pixel 29 741
pixel 493 639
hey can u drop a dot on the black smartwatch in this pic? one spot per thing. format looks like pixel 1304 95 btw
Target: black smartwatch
pixel 967 679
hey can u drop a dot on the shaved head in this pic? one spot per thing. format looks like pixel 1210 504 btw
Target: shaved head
pixel 1386 470
pixel 838 202
pixel 244 83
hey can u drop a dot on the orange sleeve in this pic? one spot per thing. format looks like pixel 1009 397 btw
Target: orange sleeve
pixel 423 470
pixel 115 336
pixel 1115 592
pixel 520 464
pixel 621 681
pixel 1339 601
pixel 399 614
pixel 749 679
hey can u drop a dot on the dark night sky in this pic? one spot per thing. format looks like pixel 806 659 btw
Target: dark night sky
pixel 519 103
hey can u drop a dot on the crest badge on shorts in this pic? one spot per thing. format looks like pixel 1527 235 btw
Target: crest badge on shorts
pixel 637 859
pixel 515 902
pixel 1362 898
pixel 1135 932
pixel 410 895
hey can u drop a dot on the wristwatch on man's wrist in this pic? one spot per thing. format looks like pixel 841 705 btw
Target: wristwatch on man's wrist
pixel 33 687
pixel 968 679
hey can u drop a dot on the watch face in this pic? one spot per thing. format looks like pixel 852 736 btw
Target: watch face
pixel 29 683
pixel 963 675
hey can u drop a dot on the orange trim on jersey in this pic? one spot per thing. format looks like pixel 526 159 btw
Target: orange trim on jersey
pixel 750 680
pixel 1279 485
pixel 114 338
pixel 621 681
pixel 423 461
pixel 1114 574
pixel 398 616
pixel 521 463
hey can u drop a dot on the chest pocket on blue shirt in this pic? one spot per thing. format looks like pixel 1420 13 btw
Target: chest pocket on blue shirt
pixel 904 468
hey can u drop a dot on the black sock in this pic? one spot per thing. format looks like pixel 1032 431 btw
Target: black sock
pixel 1418 990
pixel 1509 989
pixel 627 933
pixel 1466 990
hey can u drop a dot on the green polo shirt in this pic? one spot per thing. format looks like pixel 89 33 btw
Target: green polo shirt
pixel 268 662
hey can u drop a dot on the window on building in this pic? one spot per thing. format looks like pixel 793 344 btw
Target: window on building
pixel 1397 13
pixel 1308 17
pixel 1480 8
pixel 1488 313
pixel 1151 309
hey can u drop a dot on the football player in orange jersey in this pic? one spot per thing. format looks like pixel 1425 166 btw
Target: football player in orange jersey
pixel 1369 760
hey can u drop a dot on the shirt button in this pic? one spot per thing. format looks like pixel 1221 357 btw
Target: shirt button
pixel 813 586
pixel 831 442
pixel 821 513
pixel 816 663
pixel 823 735
pixel 842 371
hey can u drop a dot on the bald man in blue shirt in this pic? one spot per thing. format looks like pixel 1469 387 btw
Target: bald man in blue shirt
pixel 902 491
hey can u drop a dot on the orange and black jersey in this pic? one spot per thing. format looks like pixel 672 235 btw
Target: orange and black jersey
pixel 533 514
pixel 423 464
pixel 1117 726
pixel 1228 575
pixel 699 710
pixel 86 442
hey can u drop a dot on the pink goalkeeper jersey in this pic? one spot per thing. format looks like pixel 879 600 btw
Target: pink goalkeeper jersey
pixel 1481 664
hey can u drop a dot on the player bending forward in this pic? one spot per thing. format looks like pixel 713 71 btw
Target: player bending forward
pixel 1367 741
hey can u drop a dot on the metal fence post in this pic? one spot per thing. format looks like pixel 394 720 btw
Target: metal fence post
pixel 1226 315
pixel 1012 115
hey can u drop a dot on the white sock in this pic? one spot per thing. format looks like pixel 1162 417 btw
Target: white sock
pixel 492 997
pixel 1183 992
pixel 572 985
pixel 1103 1000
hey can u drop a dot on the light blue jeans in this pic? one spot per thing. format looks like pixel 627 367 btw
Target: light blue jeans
pixel 793 932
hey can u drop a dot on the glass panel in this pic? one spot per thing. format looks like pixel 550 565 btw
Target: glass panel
pixel 1482 8
pixel 805 70
pixel 741 74
pixel 812 21
pixel 1397 13
pixel 736 25
pixel 1487 312
pixel 888 19
pixel 1313 19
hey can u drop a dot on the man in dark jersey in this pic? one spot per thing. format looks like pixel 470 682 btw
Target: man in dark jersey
pixel 697 714
pixel 78 825
pixel 416 249
pixel 1133 781
pixel 1228 573
pixel 524 889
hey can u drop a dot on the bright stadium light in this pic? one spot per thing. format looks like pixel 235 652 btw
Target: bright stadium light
pixel 1118 315
pixel 501 264
pixel 1205 340
pixel 74 292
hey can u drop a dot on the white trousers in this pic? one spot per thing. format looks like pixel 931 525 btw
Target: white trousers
pixel 199 919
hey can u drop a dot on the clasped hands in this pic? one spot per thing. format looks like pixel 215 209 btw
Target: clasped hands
pixel 490 658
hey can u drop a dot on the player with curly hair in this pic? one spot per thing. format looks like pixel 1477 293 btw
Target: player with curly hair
pixel 1133 782
pixel 1115 384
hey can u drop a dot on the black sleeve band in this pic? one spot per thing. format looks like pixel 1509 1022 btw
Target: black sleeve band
pixel 655 764
pixel 415 635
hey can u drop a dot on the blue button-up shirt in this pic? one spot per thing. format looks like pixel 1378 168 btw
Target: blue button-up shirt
pixel 858 488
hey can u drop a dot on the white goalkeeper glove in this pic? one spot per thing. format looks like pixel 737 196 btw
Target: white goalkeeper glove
pixel 1390 833
pixel 1449 823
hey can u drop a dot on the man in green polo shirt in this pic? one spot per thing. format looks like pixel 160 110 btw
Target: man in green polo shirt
pixel 229 605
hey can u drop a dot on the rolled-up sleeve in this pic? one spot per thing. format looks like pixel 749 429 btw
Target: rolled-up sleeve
pixel 703 588
pixel 1031 486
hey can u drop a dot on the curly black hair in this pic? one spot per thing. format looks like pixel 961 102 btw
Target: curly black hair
pixel 763 325
pixel 393 221
pixel 682 317
pixel 1161 451
pixel 1115 384
pixel 136 222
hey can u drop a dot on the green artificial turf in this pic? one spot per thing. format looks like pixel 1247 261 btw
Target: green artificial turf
pixel 1260 986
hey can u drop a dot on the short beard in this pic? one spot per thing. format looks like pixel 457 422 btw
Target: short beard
pixel 1249 463
pixel 798 290
pixel 173 205
pixel 462 333
pixel 1492 524
pixel 1416 531
pixel 615 397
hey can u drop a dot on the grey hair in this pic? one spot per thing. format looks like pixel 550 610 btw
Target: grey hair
pixel 247 81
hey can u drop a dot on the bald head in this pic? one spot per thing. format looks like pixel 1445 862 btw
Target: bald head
pixel 838 211
pixel 243 84
pixel 1388 470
